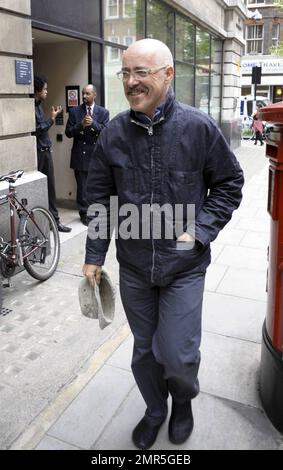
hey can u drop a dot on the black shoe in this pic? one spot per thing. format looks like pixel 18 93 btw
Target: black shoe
pixel 84 220
pixel 181 422
pixel 145 434
pixel 63 228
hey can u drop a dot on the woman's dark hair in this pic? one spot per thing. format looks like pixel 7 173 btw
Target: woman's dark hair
pixel 39 82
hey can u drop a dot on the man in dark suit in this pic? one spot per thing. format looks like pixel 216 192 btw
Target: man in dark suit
pixel 84 125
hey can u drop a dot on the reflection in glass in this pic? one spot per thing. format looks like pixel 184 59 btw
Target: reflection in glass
pixel 160 22
pixel 202 89
pixel 202 48
pixel 185 40
pixel 115 100
pixel 184 83
pixel 123 20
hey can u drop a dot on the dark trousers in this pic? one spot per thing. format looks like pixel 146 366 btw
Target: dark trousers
pixel 258 136
pixel 45 165
pixel 166 324
pixel 81 177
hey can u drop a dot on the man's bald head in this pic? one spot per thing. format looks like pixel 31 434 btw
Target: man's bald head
pixel 148 71
pixel 156 50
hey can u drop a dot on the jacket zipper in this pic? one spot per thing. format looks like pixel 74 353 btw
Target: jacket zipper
pixel 150 133
pixel 151 220
pixel 149 128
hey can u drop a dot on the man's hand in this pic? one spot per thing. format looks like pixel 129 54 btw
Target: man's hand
pixel 93 273
pixel 87 121
pixel 55 110
pixel 185 237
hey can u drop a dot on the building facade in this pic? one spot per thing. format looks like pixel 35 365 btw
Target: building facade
pixel 76 42
pixel 264 32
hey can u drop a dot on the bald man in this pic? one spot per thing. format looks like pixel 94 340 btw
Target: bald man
pixel 84 125
pixel 167 155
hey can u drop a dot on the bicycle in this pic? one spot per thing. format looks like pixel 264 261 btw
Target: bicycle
pixel 35 245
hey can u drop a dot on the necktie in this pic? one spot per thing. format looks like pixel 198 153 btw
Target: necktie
pixel 89 110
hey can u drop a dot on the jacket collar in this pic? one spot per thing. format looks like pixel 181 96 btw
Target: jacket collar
pixel 161 112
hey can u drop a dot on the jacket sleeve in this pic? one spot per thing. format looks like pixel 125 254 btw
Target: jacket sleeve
pixel 42 125
pixel 73 126
pixel 100 187
pixel 99 125
pixel 224 179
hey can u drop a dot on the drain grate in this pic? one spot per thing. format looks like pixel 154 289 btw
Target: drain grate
pixel 5 311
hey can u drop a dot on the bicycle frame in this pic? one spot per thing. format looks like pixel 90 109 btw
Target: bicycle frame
pixel 16 257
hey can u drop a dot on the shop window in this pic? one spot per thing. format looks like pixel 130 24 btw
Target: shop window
pixel 278 94
pixel 254 39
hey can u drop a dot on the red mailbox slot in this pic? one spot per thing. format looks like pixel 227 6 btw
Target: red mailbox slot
pixel 271 367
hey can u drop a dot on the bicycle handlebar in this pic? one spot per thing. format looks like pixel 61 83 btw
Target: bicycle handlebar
pixel 13 176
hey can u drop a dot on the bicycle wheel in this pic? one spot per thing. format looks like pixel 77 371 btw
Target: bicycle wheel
pixel 39 240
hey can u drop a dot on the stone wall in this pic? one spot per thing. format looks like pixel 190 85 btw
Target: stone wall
pixel 17 118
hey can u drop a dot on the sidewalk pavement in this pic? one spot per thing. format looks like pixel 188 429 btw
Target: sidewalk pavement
pixel 99 409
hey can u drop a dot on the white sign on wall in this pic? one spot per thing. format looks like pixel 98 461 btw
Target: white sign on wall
pixel 268 66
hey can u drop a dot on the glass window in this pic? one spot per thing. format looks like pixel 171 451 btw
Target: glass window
pixel 185 41
pixel 113 52
pixel 112 9
pixel 115 100
pixel 128 40
pixel 202 89
pixel 160 22
pixel 202 48
pixel 184 83
pixel 254 39
pixel 275 34
pixel 203 70
pixel 127 19
pixel 129 8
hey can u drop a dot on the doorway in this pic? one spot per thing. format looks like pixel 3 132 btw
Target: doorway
pixel 64 60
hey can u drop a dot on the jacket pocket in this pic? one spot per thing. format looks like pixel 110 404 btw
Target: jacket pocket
pixel 126 184
pixel 182 187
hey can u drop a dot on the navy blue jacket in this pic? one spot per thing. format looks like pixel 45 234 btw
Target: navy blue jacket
pixel 42 124
pixel 84 139
pixel 182 157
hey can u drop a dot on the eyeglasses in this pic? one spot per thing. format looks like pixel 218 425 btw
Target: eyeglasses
pixel 139 74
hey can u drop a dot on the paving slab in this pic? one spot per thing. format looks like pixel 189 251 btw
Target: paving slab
pixel 246 283
pixel 229 368
pixel 219 425
pixel 233 316
pixel 85 418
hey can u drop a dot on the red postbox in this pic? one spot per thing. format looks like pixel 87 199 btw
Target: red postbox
pixel 271 367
